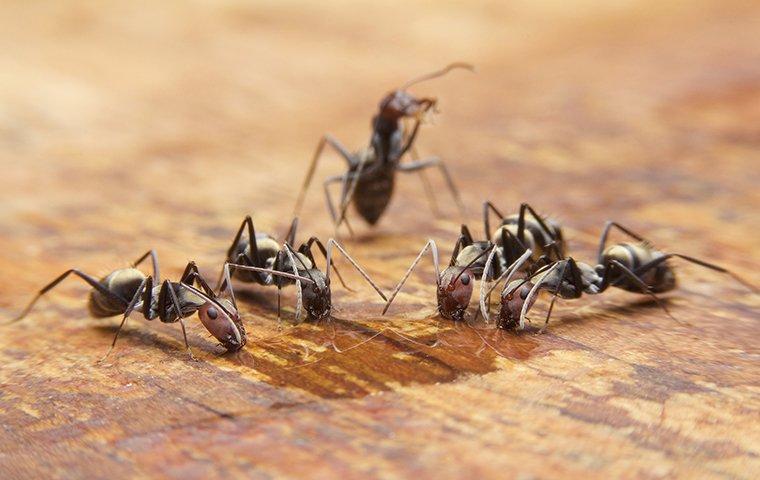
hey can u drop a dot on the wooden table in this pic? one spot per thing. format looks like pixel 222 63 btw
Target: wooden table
pixel 134 125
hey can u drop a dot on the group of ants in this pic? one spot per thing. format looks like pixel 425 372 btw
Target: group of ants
pixel 527 252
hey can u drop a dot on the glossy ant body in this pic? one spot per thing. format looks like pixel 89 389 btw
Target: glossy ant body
pixel 263 251
pixel 371 174
pixel 636 267
pixel 128 289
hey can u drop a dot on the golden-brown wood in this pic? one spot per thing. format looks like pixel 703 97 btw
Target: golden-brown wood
pixel 134 125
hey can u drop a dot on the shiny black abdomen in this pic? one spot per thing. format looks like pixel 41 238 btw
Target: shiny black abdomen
pixel 373 192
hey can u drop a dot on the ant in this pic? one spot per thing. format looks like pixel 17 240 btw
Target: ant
pixel 263 251
pixel 455 283
pixel 127 289
pixel 370 178
pixel 519 232
pixel 635 267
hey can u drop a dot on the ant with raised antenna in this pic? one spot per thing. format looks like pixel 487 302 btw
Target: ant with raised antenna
pixel 370 178
pixel 635 267
pixel 263 251
pixel 128 289
pixel 454 285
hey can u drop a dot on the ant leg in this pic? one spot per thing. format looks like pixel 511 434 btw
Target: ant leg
pixel 427 186
pixel 290 237
pixel 605 233
pixel 163 310
pixel 434 252
pixel 331 205
pixel 532 293
pixel 338 147
pixel 332 242
pixel 436 162
pixel 699 262
pixel 489 207
pixel 539 219
pixel 636 280
pixel 299 291
pixel 145 285
pixel 153 260
pixel 306 249
pixel 511 270
pixel 457 248
pixel 94 283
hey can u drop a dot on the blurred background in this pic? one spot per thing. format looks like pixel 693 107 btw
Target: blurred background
pixel 129 125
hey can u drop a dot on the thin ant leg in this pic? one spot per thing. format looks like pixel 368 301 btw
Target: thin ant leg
pixel 512 247
pixel 488 207
pixel 94 283
pixel 457 249
pixel 436 162
pixel 145 286
pixel 299 291
pixel 605 233
pixel 153 260
pixel 163 310
pixel 307 251
pixel 290 237
pixel 515 267
pixel 427 186
pixel 468 240
pixel 332 242
pixel 434 252
pixel 338 147
pixel 331 205
pixel 606 281
pixel 347 194
pixel 521 222
pixel 533 292
pixel 577 283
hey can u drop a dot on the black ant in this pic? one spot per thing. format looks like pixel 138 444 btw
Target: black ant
pixel 263 251
pixel 635 267
pixel 455 284
pixel 519 232
pixel 127 289
pixel 370 178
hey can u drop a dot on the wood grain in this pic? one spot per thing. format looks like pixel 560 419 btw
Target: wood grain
pixel 134 125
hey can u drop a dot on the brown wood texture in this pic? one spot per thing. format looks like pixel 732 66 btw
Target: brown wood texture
pixel 126 126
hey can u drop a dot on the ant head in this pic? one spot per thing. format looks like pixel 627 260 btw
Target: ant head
pixel 454 292
pixel 512 303
pixel 221 319
pixel 400 103
pixel 317 295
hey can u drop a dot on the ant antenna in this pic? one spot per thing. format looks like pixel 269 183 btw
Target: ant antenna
pixel 437 73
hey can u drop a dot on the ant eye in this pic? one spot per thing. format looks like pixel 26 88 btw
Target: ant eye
pixel 465 279
pixel 212 313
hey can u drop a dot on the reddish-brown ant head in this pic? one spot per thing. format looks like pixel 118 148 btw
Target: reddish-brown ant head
pixel 221 319
pixel 512 303
pixel 317 295
pixel 454 292
pixel 400 103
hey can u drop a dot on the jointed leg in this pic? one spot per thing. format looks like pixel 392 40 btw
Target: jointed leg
pixel 299 291
pixel 331 205
pixel 94 283
pixel 306 250
pixel 167 287
pixel 434 251
pixel 332 242
pixel 290 237
pixel 489 207
pixel 146 284
pixel 325 140
pixel 436 162
pixel 154 262
pixel 625 271
pixel 605 233
pixel 427 186
pixel 521 222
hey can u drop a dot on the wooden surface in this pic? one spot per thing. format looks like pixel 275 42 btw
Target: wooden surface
pixel 134 125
